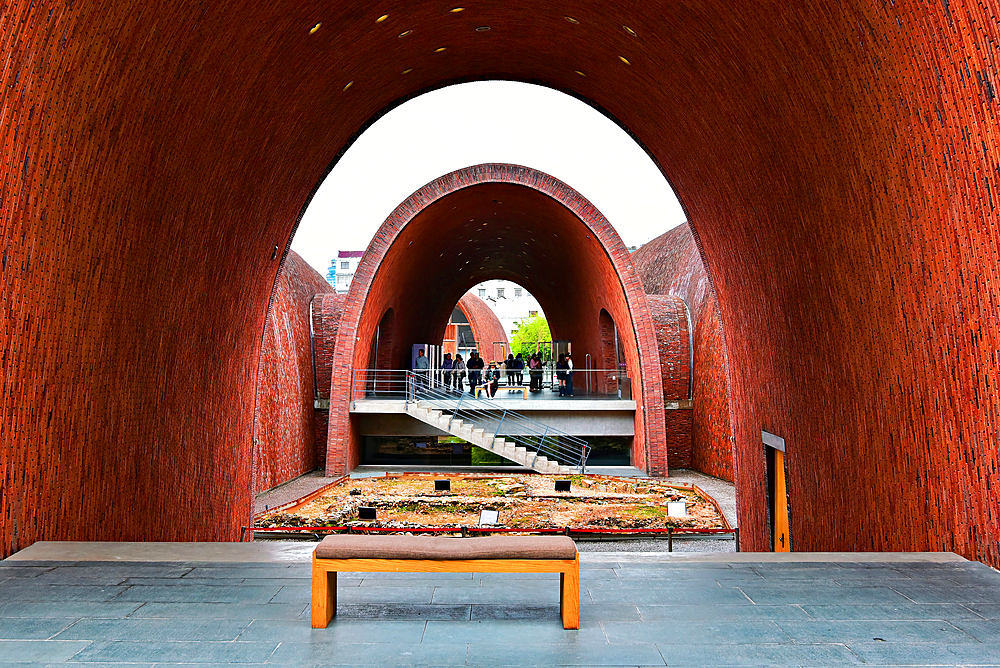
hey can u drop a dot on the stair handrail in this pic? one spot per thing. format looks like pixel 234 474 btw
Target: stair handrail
pixel 423 387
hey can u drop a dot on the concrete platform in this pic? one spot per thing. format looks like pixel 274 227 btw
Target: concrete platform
pixel 166 604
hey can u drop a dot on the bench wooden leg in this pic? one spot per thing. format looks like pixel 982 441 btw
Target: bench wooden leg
pixel 324 597
pixel 569 596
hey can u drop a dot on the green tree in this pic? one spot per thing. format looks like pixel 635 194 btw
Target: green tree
pixel 529 333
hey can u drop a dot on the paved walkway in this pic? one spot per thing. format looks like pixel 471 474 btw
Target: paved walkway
pixel 248 604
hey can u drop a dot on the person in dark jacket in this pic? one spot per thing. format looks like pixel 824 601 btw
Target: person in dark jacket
pixel 475 366
pixel 447 365
pixel 561 367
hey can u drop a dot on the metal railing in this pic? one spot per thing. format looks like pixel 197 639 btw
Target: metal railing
pixel 536 437
pixel 388 383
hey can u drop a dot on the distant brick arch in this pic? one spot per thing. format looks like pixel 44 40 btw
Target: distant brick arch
pixel 438 243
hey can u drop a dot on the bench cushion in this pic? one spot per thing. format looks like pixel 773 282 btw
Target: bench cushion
pixel 353 546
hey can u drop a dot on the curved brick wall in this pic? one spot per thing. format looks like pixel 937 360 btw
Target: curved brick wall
pixel 496 221
pixel 486 327
pixel 285 429
pixel 838 162
pixel 671 264
pixel 670 322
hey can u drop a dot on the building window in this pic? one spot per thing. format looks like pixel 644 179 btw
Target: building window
pixel 345 265
pixel 499 293
pixel 517 292
pixel 532 314
pixel 482 292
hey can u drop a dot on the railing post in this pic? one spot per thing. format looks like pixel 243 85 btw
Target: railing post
pixel 499 424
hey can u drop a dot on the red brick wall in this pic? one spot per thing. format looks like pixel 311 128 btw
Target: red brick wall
pixel 326 309
pixel 470 226
pixel 671 264
pixel 284 430
pixel 670 322
pixel 838 161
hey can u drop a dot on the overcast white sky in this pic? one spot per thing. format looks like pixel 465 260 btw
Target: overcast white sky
pixel 488 121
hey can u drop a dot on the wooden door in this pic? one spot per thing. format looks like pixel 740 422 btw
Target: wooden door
pixel 781 538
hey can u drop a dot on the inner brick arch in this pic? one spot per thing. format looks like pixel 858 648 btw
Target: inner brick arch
pixel 837 161
pixel 498 221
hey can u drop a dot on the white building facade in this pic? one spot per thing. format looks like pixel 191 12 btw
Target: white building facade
pixel 509 301
pixel 342 268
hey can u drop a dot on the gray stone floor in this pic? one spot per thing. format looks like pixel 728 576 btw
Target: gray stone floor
pixel 248 604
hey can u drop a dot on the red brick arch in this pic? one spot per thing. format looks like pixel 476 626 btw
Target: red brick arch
pixel 499 221
pixel 838 161
pixel 486 328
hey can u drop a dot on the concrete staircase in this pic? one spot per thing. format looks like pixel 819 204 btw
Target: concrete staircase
pixel 468 431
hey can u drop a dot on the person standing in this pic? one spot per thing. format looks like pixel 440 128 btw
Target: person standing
pixel 519 370
pixel 447 365
pixel 475 366
pixel 561 374
pixel 458 373
pixel 569 375
pixel 422 368
pixel 535 372
pixel 509 369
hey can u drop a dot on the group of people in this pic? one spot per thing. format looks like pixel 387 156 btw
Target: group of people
pixel 454 372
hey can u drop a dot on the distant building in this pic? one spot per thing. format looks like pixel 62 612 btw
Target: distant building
pixel 342 268
pixel 509 301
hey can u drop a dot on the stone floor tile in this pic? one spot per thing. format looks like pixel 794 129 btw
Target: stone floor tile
pixel 366 595
pixel 985 610
pixel 38 651
pixel 369 654
pixel 899 612
pixel 654 613
pixel 14 590
pixel 514 632
pixel 511 595
pixel 711 594
pixel 871 631
pixel 923 593
pixel 924 654
pixel 196 610
pixel 33 628
pixel 986 630
pixel 201 593
pixel 42 609
pixel 588 612
pixel 757 655
pixel 155 630
pixel 581 654
pixel 815 594
pixel 177 652
pixel 339 631
pixel 375 581
pixel 399 612
pixel 110 571
pixel 699 632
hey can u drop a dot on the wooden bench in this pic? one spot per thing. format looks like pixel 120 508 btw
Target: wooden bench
pixel 437 554
pixel 501 388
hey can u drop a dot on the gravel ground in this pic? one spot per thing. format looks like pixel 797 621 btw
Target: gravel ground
pixel 723 492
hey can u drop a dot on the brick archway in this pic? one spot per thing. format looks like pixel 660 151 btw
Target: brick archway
pixel 545 236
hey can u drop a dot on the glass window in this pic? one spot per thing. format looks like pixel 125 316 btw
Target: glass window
pixel 517 292
pixel 482 292
pixel 345 265
pixel 499 293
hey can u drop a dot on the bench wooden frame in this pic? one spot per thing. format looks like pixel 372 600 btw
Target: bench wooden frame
pixel 324 579
pixel 510 388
